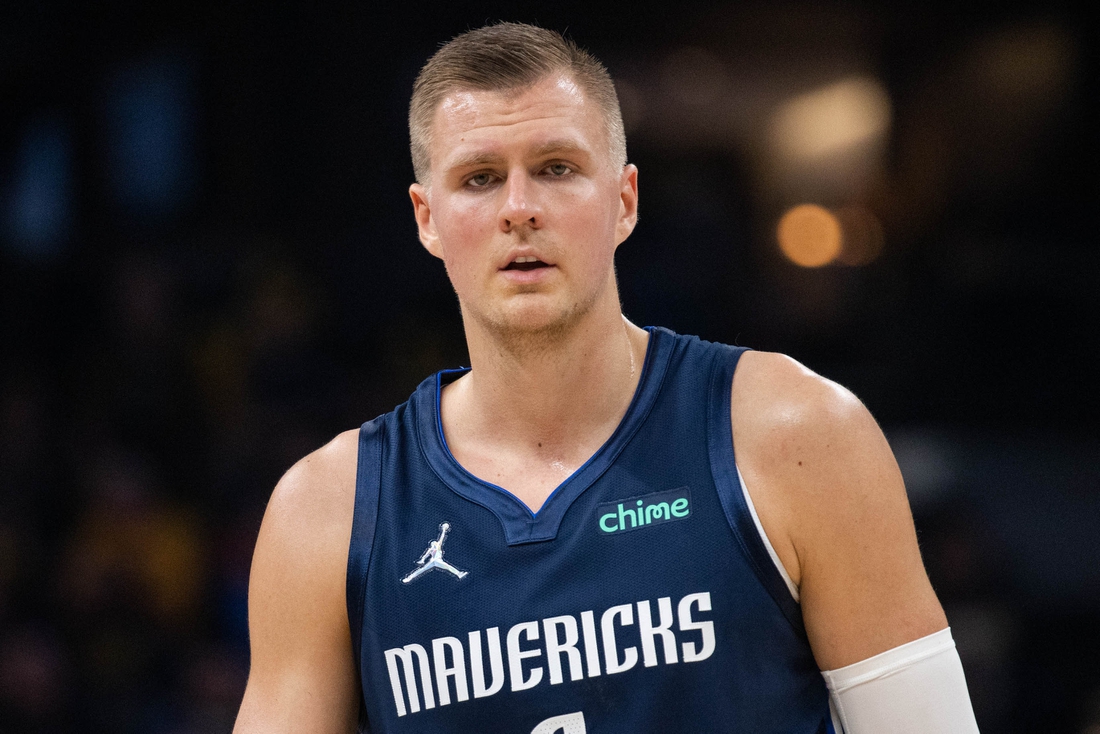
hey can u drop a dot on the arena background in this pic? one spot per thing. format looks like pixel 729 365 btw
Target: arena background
pixel 209 267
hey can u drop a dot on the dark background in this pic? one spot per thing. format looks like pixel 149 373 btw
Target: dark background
pixel 208 267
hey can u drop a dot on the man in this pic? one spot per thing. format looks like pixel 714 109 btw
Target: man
pixel 637 540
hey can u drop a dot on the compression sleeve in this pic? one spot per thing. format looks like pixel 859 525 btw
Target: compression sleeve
pixel 914 688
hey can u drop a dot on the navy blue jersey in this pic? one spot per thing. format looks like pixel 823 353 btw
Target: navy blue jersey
pixel 639 598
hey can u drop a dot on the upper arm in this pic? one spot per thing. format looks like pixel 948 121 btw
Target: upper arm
pixel 302 675
pixel 831 499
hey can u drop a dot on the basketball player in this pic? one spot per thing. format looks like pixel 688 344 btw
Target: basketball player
pixel 644 532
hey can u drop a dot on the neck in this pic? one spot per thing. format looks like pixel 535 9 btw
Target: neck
pixel 559 394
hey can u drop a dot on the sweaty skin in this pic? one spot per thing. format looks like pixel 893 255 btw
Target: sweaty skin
pixel 529 176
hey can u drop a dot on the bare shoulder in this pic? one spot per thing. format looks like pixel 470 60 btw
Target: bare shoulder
pixel 320 488
pixel 302 674
pixel 793 424
pixel 301 551
pixel 832 501
pixel 787 418
pixel 810 451
pixel 811 454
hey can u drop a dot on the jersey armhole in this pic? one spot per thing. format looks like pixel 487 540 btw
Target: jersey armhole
pixel 764 538
pixel 368 482
pixel 734 498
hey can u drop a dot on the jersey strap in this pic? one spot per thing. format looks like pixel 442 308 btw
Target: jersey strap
pixel 368 481
pixel 724 470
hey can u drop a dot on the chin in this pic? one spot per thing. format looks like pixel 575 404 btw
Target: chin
pixel 541 324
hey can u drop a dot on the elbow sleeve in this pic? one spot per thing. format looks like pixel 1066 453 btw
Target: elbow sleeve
pixel 915 687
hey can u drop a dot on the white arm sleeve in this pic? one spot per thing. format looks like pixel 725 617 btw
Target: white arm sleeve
pixel 915 688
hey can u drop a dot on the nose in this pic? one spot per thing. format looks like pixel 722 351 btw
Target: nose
pixel 521 207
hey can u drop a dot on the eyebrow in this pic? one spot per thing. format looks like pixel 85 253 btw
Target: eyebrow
pixel 557 145
pixel 474 159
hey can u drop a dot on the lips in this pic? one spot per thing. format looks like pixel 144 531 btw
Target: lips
pixel 525 268
pixel 525 263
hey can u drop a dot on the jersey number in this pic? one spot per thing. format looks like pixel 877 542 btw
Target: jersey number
pixel 564 724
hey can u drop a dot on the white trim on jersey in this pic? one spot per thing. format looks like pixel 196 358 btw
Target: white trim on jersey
pixel 764 536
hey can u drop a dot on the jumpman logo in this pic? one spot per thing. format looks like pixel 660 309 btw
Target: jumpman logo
pixel 433 558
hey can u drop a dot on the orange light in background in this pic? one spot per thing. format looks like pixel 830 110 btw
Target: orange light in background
pixel 862 236
pixel 810 235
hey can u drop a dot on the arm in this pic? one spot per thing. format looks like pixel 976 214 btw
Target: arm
pixel 302 676
pixel 832 502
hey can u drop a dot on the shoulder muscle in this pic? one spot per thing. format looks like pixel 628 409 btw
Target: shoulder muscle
pixel 302 674
pixel 833 502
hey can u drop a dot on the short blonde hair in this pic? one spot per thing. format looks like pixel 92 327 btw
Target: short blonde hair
pixel 507 57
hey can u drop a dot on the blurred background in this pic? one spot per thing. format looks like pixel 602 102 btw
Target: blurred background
pixel 208 267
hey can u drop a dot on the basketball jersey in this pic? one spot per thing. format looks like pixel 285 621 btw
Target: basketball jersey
pixel 639 598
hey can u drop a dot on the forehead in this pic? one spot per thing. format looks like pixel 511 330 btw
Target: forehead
pixel 469 121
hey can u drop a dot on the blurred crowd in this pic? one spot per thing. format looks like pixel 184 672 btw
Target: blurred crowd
pixel 135 474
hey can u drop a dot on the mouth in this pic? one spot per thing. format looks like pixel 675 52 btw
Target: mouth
pixel 526 263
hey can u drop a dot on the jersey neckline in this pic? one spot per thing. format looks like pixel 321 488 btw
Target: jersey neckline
pixel 520 523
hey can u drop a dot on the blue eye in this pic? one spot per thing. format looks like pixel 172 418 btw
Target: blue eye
pixel 558 169
pixel 479 179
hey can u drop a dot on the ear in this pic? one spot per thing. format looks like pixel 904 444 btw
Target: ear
pixel 422 211
pixel 628 203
